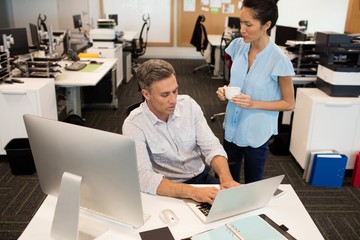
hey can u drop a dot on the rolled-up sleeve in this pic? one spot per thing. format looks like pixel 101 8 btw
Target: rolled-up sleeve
pixel 149 180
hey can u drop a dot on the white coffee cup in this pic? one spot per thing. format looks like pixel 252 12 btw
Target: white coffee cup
pixel 231 91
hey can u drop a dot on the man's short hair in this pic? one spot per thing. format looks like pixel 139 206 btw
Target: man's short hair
pixel 153 70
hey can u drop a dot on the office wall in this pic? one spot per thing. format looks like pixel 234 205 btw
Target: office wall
pixel 130 14
pixel 214 22
pixel 77 7
pixel 26 11
pixel 321 14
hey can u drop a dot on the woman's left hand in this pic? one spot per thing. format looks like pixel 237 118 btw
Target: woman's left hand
pixel 243 100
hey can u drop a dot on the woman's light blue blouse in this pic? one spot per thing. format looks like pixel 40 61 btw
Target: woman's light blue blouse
pixel 253 127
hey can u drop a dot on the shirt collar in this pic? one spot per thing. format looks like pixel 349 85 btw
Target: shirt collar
pixel 154 119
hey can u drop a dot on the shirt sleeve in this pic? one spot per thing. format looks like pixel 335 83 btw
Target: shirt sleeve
pixel 234 47
pixel 149 180
pixel 283 68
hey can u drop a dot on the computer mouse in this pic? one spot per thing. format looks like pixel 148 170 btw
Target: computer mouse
pixel 169 217
pixel 93 62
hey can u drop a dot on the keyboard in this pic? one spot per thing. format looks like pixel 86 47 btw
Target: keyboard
pixel 51 59
pixel 75 66
pixel 204 208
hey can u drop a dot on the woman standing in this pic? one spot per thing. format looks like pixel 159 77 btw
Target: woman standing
pixel 264 74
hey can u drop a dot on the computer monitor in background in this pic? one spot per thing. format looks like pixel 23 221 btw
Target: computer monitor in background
pixel 35 36
pixel 284 33
pixel 105 161
pixel 77 21
pixel 114 17
pixel 233 23
pixel 66 43
pixel 20 45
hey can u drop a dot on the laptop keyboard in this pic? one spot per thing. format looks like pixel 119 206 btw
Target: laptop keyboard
pixel 204 208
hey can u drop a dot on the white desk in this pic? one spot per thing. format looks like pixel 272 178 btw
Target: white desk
pixel 287 210
pixel 35 96
pixel 215 41
pixel 73 80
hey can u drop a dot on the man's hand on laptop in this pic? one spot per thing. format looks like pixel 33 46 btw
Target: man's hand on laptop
pixel 204 194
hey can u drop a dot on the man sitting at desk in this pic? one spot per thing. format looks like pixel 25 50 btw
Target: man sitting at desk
pixel 171 133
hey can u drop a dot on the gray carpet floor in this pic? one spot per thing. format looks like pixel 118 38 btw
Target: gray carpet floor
pixel 335 211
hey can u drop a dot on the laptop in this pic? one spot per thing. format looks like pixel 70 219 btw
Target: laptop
pixel 237 200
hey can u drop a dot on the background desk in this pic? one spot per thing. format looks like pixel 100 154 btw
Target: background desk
pixel 215 41
pixel 287 210
pixel 73 80
pixel 35 96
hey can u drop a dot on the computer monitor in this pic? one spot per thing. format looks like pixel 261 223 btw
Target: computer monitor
pixel 284 33
pixel 114 17
pixel 35 37
pixel 105 161
pixel 66 43
pixel 233 23
pixel 77 21
pixel 20 45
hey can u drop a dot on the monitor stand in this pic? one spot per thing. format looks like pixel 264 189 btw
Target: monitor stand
pixel 66 218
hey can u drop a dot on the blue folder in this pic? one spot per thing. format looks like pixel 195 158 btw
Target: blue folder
pixel 328 170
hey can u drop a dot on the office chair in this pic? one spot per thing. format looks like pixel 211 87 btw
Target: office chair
pixel 199 40
pixel 226 61
pixel 137 46
pixel 137 104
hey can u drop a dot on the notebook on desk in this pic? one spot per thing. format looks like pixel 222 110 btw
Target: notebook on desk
pixel 237 200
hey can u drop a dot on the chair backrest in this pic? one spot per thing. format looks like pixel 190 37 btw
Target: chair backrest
pixel 143 37
pixel 226 60
pixel 199 38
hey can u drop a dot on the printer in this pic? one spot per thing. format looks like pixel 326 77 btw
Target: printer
pixel 103 37
pixel 338 72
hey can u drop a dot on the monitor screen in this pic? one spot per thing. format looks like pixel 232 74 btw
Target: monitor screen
pixel 66 43
pixel 284 33
pixel 105 161
pixel 35 37
pixel 233 22
pixel 114 17
pixel 77 21
pixel 20 45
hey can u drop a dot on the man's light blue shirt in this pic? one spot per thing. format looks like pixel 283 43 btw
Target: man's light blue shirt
pixel 174 148
pixel 253 127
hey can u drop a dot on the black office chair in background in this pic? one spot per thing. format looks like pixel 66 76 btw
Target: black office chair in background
pixel 137 104
pixel 137 46
pixel 199 40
